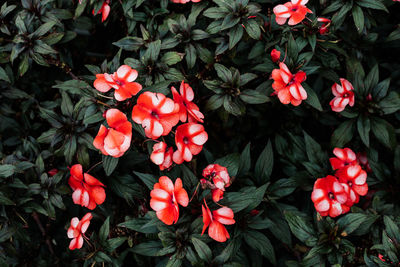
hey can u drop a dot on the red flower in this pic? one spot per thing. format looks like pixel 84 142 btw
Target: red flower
pixel 189 139
pixel 355 178
pixel 104 10
pixel 363 161
pixel 324 29
pixel 344 157
pixel 52 172
pixel 88 191
pixel 161 155
pixel 295 10
pixel 343 95
pixel 216 221
pixel 77 229
pixel 288 86
pixel 275 55
pixel 187 110
pixel 165 199
pixel 329 196
pixel 156 113
pixel 122 81
pixel 114 141
pixel 220 178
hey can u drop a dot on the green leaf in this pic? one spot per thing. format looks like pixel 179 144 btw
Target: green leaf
pixel 293 50
pixel 391 228
pixel 129 43
pixel 364 127
pixel 67 107
pixel 374 4
pixel 202 249
pixel 70 149
pixel 223 72
pixel 372 78
pixel 253 29
pixel 4 76
pixel 384 132
pixel 43 29
pixel 148 179
pixel 380 90
pixel 350 222
pixel 358 17
pixel 199 35
pixel 264 165
pixel 214 102
pixel 342 134
pixel 391 103
pixel 149 248
pixel 312 98
pixel 229 21
pixel 190 55
pixel 260 242
pixel 253 97
pixel 214 13
pixel 235 35
pixel 153 51
pixel 109 164
pixel 114 243
pixel 282 188
pixel 314 150
pixel 144 225
pixel 301 228
pixel 245 161
pixel 171 58
pixel 6 170
pixel 104 230
pixel 231 106
pixel 5 200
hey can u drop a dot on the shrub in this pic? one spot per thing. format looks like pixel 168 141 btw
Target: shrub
pixel 199 133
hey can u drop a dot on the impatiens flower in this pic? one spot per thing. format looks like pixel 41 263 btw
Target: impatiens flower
pixel 88 191
pixel 220 178
pixel 165 198
pixel 215 222
pixel 344 157
pixel 329 196
pixel 187 109
pixel 161 155
pixel 184 1
pixel 122 81
pixel 104 10
pixel 77 230
pixel 116 140
pixel 324 29
pixel 343 95
pixel 295 10
pixel 156 113
pixel 52 172
pixel 189 138
pixel 355 178
pixel 363 161
pixel 275 55
pixel 288 86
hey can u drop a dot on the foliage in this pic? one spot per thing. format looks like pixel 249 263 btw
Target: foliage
pixel 50 52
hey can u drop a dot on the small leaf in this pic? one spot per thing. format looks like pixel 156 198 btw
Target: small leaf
pixel 104 230
pixel 260 242
pixel 202 249
pixel 364 127
pixel 264 165
pixel 358 17
pixel 148 179
pixel 342 134
pixel 109 164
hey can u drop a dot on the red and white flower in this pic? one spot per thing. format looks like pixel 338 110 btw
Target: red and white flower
pixel 88 191
pixel 356 179
pixel 344 157
pixel 77 230
pixel 189 139
pixel 295 11
pixel 184 1
pixel 116 140
pixel 220 180
pixel 344 95
pixel 161 155
pixel 122 81
pixel 215 222
pixel 188 111
pixel 165 198
pixel 156 113
pixel 104 10
pixel 288 86
pixel 329 196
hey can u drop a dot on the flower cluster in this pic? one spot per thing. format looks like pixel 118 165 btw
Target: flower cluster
pixel 334 195
pixel 166 198
pixel 88 192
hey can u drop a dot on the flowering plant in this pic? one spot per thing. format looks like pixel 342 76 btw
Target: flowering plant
pixel 199 133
